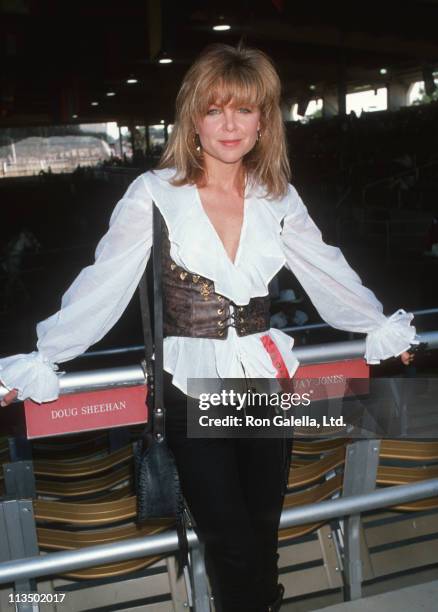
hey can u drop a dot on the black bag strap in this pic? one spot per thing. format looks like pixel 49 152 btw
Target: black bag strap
pixel 154 367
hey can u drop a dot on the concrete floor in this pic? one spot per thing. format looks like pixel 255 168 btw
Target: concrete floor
pixel 422 597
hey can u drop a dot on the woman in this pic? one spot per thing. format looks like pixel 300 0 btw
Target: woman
pixel 233 221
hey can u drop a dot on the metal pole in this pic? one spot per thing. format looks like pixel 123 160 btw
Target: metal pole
pixel 317 353
pixel 197 571
pixel 306 352
pixel 19 479
pixel 361 462
pixel 75 382
pixel 18 539
pixel 148 141
pixel 61 562
pixel 120 142
pixel 101 379
pixel 201 598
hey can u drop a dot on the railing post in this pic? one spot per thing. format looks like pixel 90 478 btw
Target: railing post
pixel 62 562
pixel 361 461
pixel 19 479
pixel 180 588
pixel 18 540
pixel 198 574
pixel 20 448
pixel 199 596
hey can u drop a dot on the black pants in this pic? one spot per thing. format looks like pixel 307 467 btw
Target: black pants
pixel 235 490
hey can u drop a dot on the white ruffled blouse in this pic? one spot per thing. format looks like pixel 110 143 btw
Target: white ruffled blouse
pixel 100 293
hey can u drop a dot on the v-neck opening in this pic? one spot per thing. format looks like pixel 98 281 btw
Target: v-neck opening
pixel 218 238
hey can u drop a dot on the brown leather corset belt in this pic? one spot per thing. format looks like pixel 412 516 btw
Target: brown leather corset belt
pixel 191 307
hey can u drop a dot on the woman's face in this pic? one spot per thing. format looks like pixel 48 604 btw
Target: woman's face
pixel 228 132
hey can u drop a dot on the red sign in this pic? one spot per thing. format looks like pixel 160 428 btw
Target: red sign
pixel 102 409
pixel 323 380
pixel 333 379
pixel 350 368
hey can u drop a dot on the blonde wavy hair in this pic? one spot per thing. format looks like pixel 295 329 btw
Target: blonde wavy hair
pixel 243 76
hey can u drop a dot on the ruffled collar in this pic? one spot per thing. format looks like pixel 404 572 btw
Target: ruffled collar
pixel 196 246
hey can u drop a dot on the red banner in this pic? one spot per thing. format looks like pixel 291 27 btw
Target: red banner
pixel 333 379
pixel 102 409
pixel 323 380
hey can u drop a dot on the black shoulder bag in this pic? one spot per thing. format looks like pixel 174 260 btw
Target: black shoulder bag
pixel 156 477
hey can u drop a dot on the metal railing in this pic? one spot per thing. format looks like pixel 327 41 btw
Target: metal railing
pixel 133 375
pixel 62 562
pixel 297 328
pixel 361 464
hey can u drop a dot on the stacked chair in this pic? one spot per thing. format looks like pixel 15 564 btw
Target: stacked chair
pixel 309 561
pixel 404 538
pixel 83 496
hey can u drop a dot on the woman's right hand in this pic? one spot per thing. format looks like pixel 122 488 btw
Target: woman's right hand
pixel 9 397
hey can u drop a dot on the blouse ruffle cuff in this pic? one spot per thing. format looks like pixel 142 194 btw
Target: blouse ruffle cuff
pixel 392 338
pixel 32 374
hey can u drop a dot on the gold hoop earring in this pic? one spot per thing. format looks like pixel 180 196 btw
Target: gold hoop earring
pixel 259 135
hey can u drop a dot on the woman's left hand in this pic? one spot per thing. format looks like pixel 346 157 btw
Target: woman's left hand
pixel 407 358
